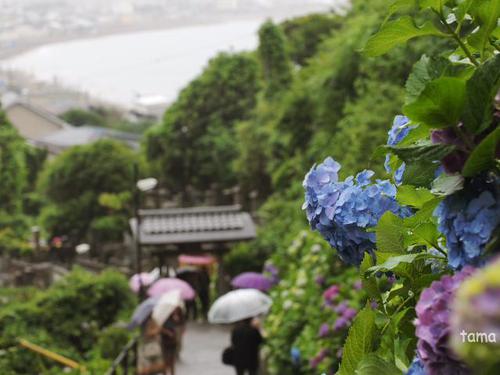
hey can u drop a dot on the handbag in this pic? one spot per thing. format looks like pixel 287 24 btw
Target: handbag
pixel 228 356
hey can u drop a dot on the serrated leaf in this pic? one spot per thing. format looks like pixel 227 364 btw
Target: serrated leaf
pixel 463 9
pixel 440 104
pixel 397 32
pixel 480 90
pixel 447 184
pixel 420 173
pixel 434 4
pixel 428 69
pixel 390 234
pixel 424 151
pixel 486 14
pixel 484 155
pixel 400 5
pixel 395 261
pixel 413 196
pixel 374 365
pixel 359 342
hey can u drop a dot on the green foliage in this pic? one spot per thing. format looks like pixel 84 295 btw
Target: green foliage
pixel 298 308
pixel 195 144
pixel 74 181
pixel 305 34
pixel 105 117
pixel 273 56
pixel 80 117
pixel 12 168
pixel 72 318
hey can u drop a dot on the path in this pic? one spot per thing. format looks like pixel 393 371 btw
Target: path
pixel 202 350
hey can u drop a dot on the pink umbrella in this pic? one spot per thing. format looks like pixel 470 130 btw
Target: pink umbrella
pixel 196 260
pixel 252 280
pixel 135 281
pixel 165 285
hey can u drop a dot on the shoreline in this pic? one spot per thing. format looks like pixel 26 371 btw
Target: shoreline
pixel 154 25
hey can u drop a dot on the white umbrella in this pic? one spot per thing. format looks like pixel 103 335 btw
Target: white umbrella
pixel 238 305
pixel 166 305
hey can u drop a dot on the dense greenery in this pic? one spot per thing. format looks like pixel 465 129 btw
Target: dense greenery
pixel 73 318
pixel 105 117
pixel 77 185
pixel 195 143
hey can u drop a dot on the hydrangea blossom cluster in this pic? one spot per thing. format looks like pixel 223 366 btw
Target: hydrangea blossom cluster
pixel 467 219
pixel 433 326
pixel 345 319
pixel 397 133
pixel 416 368
pixel 273 272
pixel 475 319
pixel 295 356
pixel 324 330
pixel 331 294
pixel 342 211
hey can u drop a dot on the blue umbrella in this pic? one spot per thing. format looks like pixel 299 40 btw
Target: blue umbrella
pixel 142 312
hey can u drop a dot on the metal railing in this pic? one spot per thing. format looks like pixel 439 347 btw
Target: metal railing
pixel 126 360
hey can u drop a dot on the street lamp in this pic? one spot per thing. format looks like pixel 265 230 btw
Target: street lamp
pixel 142 186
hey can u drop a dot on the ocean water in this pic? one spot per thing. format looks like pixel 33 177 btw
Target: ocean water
pixel 119 68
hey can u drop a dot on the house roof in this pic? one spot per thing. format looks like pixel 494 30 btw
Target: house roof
pixel 75 136
pixel 39 112
pixel 194 225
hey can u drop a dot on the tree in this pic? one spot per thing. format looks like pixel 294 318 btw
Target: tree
pixel 275 63
pixel 74 182
pixel 12 168
pixel 195 143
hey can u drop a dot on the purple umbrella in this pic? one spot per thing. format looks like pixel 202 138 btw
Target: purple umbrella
pixel 135 281
pixel 252 280
pixel 165 285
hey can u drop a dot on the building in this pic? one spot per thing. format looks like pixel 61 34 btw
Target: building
pixel 44 130
pixel 33 123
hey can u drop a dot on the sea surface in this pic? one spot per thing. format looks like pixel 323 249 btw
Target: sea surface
pixel 119 68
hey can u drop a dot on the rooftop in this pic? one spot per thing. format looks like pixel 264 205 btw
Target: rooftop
pixel 194 225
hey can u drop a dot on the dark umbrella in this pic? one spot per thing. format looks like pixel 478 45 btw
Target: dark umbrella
pixel 142 312
pixel 252 280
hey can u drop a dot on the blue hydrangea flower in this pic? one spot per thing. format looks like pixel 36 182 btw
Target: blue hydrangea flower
pixel 468 218
pixel 342 211
pixel 416 368
pixel 397 133
pixel 295 355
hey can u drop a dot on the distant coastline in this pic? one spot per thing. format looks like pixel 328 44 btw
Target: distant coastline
pixel 277 14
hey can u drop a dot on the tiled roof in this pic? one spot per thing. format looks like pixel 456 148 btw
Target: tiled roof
pixel 195 225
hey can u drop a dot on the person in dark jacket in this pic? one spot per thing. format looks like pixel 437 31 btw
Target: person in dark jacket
pixel 246 340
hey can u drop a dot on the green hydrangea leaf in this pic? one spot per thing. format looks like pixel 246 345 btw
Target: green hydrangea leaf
pixel 480 90
pixel 413 196
pixel 394 33
pixel 440 104
pixel 484 155
pixel 390 234
pixel 447 184
pixel 374 365
pixel 360 341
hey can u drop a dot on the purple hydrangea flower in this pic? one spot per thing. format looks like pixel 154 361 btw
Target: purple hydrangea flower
pixel 331 293
pixel 433 326
pixel 468 219
pixel 358 285
pixel 340 323
pixel 320 280
pixel 343 211
pixel 273 273
pixel 341 308
pixel 397 133
pixel 324 330
pixel 349 313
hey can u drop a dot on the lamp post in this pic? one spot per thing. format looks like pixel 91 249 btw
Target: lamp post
pixel 141 186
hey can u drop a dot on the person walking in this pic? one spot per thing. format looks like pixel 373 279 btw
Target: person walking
pixel 169 344
pixel 246 340
pixel 150 359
